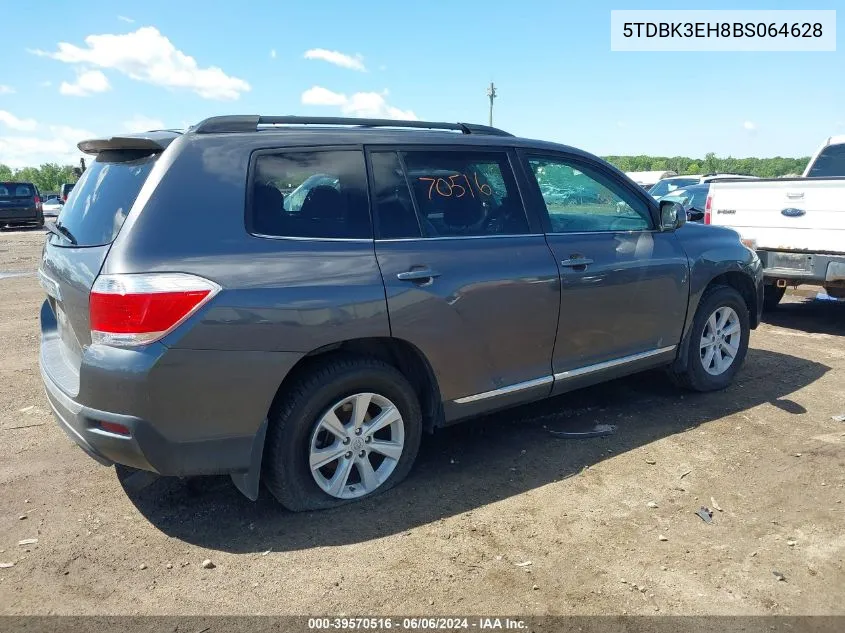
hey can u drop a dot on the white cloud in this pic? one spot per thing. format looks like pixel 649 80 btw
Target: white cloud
pixel 360 104
pixel 6 90
pixel 58 145
pixel 750 126
pixel 141 123
pixel 13 122
pixel 318 95
pixel 87 83
pixel 123 18
pixel 147 55
pixel 337 58
pixel 272 53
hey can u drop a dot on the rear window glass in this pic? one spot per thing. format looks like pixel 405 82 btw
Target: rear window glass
pixel 99 203
pixel 830 163
pixel 321 194
pixel 15 190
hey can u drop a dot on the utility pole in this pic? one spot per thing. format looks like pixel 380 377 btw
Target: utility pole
pixel 491 92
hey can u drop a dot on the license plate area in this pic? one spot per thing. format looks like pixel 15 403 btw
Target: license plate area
pixel 791 261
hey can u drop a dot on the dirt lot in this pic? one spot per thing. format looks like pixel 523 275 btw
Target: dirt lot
pixel 485 498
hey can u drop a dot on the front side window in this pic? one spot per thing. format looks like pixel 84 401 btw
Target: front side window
pixel 581 199
pixel 461 194
pixel 311 194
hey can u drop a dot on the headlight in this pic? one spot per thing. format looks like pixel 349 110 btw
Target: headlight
pixel 749 242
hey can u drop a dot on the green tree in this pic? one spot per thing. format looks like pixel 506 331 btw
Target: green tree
pixel 49 177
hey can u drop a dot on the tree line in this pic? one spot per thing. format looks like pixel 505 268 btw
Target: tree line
pixel 762 167
pixel 50 176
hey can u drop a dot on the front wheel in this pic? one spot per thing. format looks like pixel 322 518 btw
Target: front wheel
pixel 348 429
pixel 718 341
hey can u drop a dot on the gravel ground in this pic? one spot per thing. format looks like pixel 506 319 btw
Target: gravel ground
pixel 497 517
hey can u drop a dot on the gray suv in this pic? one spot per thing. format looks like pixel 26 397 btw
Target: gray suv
pixel 295 300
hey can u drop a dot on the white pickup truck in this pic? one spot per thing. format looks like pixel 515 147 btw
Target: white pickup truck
pixel 796 225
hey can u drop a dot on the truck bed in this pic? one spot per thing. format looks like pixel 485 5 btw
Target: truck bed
pixel 784 214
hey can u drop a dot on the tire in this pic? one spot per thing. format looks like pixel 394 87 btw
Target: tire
pixel 295 428
pixel 695 375
pixel 771 297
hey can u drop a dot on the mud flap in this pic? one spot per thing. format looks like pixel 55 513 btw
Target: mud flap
pixel 248 481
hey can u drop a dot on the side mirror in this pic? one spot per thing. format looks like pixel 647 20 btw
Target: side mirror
pixel 672 216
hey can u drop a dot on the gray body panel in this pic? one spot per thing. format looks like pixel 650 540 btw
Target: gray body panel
pixel 631 299
pixel 487 321
pixel 500 325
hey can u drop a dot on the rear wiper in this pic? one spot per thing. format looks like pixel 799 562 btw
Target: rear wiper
pixel 58 229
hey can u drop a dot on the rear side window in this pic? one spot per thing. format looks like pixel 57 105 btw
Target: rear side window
pixel 452 193
pixel 99 203
pixel 830 162
pixel 314 194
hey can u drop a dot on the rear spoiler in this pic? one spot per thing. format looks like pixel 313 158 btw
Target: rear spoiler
pixel 152 142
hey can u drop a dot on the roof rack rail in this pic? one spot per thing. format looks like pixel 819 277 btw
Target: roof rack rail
pixel 250 123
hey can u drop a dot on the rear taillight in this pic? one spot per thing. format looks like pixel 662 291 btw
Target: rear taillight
pixel 137 309
pixel 707 206
pixel 37 200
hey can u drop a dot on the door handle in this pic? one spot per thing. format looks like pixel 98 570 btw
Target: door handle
pixel 576 262
pixel 421 274
pixel 794 194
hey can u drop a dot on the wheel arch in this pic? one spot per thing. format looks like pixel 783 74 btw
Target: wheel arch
pixel 740 281
pixel 399 353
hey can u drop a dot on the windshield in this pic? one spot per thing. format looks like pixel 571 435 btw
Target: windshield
pixel 668 185
pixel 830 163
pixel 101 200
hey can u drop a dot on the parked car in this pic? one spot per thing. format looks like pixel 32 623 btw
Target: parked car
pixel 51 205
pixel 65 190
pixel 692 198
pixel 20 203
pixel 425 281
pixel 797 225
pixel 647 179
pixel 668 185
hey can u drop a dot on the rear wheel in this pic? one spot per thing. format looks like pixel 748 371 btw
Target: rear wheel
pixel 347 430
pixel 718 341
pixel 772 296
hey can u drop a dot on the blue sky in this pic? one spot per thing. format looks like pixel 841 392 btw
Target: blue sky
pixel 556 76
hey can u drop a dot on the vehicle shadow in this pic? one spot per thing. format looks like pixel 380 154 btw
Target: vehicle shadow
pixel 809 315
pixel 9 228
pixel 471 464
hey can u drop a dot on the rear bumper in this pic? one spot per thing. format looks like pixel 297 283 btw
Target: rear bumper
pixel 815 269
pixel 18 215
pixel 188 412
pixel 145 447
